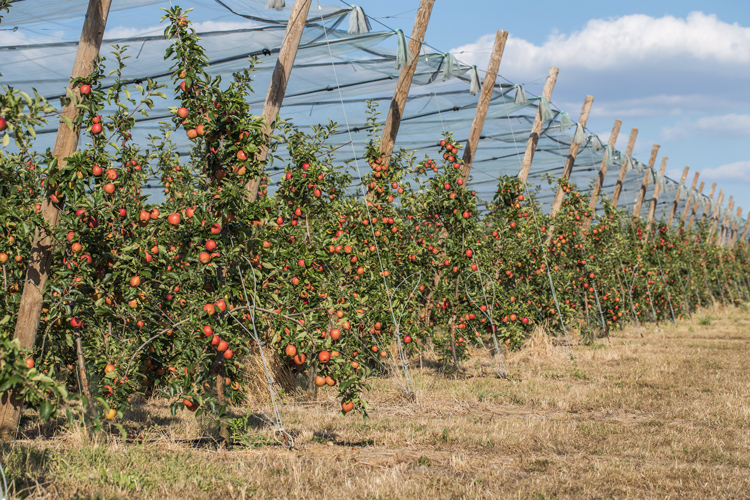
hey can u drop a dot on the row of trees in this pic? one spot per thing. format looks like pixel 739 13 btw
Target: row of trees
pixel 343 280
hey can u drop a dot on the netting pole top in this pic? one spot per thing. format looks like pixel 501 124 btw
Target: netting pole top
pixel 30 308
pixel 624 167
pixel 690 200
pixel 602 173
pixel 536 130
pixel 677 197
pixel 483 105
pixel 398 103
pixel 279 80
pixel 644 184
pixel 572 153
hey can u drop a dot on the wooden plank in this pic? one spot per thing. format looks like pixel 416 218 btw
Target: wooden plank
pixel 279 80
pixel 715 215
pixel 536 129
pixel 623 171
pixel 695 204
pixel 396 111
pixel 66 143
pixel 677 197
pixel 483 105
pixel 690 199
pixel 572 153
pixel 602 173
pixel 644 183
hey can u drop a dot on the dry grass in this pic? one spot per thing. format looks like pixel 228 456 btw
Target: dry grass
pixel 666 415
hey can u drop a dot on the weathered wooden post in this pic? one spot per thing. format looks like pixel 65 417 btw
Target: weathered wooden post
pixel 677 197
pixel 483 105
pixel 715 214
pixel 623 168
pixel 40 261
pixel 279 80
pixel 655 197
pixel 644 184
pixel 724 224
pixel 705 212
pixel 690 199
pixel 602 173
pixel 572 153
pixel 536 129
pixel 396 111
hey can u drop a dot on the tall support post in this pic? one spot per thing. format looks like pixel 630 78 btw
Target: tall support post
pixel 657 191
pixel 483 105
pixel 536 129
pixel 40 261
pixel 695 204
pixel 602 173
pixel 644 184
pixel 724 224
pixel 715 214
pixel 677 197
pixel 705 213
pixel 396 111
pixel 623 168
pixel 735 228
pixel 747 226
pixel 690 200
pixel 572 153
pixel 279 80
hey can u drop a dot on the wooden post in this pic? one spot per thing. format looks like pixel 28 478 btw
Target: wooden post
pixel 735 228
pixel 747 226
pixel 483 105
pixel 396 111
pixel 40 261
pixel 677 197
pixel 279 81
pixel 695 204
pixel 644 184
pixel 572 153
pixel 724 225
pixel 623 171
pixel 715 215
pixel 536 129
pixel 602 173
pixel 690 199
pixel 657 190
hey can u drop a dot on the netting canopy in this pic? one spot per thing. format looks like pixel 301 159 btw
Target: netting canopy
pixel 341 64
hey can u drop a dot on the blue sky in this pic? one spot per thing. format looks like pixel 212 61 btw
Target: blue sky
pixel 677 71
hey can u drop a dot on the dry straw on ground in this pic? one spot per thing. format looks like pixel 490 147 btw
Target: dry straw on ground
pixel 666 415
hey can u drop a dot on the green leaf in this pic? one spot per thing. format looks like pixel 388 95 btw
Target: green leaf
pixel 67 121
pixel 5 319
pixel 45 410
pixel 6 140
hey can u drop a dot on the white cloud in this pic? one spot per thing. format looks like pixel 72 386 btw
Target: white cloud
pixel 737 171
pixel 726 126
pixel 614 43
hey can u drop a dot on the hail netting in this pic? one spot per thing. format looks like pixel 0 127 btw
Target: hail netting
pixel 38 45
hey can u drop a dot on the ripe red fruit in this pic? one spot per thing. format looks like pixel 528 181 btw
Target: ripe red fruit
pixel 97 170
pixel 301 263
pixel 347 406
pixel 209 309
pixel 221 305
pixel 29 363
pixel 85 89
pixel 208 331
pixel 109 368
pixel 324 357
pixel 223 346
pixel 335 334
pixel 215 228
pixel 407 339
pixel 3 124
pixel 305 166
pixel 513 317
pixel 174 218
pixel 183 112
pixel 75 322
pixel 204 258
pixel 290 350
pixel 469 253
pixel 96 128
pixel 228 354
pixel 241 155
pixel 135 281
pixel 215 340
pixel 210 245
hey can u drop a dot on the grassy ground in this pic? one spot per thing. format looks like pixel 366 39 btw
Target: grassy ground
pixel 666 415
